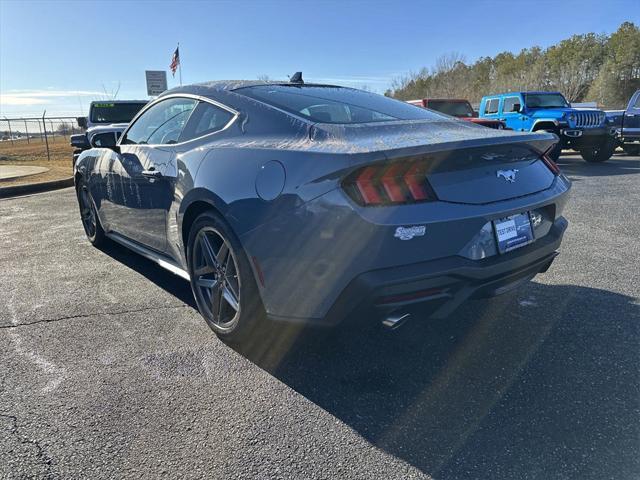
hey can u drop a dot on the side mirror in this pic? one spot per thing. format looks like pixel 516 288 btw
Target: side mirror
pixel 105 140
pixel 82 122
pixel 516 107
pixel 79 141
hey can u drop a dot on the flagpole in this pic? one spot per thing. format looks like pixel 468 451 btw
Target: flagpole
pixel 180 63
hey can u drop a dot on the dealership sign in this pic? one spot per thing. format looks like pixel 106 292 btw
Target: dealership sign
pixel 156 82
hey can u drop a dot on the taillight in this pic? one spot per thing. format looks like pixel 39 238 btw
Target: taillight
pixel 389 184
pixel 553 166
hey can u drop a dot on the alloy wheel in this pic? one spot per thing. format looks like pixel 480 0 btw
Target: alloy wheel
pixel 216 278
pixel 87 212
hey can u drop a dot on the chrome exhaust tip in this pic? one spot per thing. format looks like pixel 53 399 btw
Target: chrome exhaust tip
pixel 394 320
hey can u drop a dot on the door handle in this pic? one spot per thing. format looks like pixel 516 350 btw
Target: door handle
pixel 152 173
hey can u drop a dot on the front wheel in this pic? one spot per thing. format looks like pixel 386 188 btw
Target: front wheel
pixel 222 280
pixel 89 215
pixel 599 153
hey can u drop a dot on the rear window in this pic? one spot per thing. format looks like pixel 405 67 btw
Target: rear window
pixel 109 112
pixel 491 106
pixel 335 104
pixel 455 109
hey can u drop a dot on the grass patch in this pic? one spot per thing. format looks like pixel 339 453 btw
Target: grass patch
pixel 34 153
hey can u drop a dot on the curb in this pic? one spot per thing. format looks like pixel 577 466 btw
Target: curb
pixel 35 187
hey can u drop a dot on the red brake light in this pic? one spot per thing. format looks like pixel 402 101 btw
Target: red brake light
pixel 414 181
pixel 385 184
pixel 366 187
pixel 391 187
pixel 553 166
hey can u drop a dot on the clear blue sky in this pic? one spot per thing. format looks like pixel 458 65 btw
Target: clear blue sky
pixel 60 55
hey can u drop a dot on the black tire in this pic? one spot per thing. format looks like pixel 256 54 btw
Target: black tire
pixel 554 153
pixel 214 253
pixel 631 150
pixel 89 215
pixel 600 153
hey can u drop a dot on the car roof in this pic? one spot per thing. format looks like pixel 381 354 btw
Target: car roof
pixel 230 85
pixel 506 94
pixel 454 100
pixel 119 101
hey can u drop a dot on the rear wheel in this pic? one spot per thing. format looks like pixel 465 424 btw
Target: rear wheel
pixel 631 150
pixel 600 153
pixel 222 281
pixel 89 215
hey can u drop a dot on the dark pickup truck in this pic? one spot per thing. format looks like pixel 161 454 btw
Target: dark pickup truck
pixel 627 125
pixel 459 108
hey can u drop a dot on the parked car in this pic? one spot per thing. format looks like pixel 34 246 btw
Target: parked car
pixel 458 108
pixel 584 130
pixel 306 203
pixel 104 124
pixel 627 125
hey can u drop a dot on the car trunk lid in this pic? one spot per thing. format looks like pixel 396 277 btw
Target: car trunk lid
pixel 473 165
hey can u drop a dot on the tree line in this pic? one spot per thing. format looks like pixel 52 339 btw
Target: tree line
pixel 588 67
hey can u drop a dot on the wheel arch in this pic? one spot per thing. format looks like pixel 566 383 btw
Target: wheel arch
pixel 545 124
pixel 196 202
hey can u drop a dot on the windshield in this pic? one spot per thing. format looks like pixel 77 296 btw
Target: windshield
pixel 115 112
pixel 456 109
pixel 545 100
pixel 335 104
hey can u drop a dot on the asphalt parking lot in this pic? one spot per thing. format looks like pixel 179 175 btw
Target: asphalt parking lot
pixel 108 371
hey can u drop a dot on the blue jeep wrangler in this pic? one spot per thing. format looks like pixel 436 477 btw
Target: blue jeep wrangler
pixel 587 131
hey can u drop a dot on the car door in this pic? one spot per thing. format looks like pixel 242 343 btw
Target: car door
pixel 491 108
pixel 144 173
pixel 511 114
pixel 631 123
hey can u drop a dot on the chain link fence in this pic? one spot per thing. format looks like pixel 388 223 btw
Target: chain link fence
pixel 43 135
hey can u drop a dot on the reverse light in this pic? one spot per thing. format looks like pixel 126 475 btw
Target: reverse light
pixel 389 184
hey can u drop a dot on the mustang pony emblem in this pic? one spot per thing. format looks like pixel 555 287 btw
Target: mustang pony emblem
pixel 508 175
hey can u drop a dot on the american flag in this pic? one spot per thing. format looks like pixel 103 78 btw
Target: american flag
pixel 175 61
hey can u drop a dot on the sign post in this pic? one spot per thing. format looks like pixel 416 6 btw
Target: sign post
pixel 156 82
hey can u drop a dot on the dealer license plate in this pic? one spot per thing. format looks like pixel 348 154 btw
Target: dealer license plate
pixel 513 232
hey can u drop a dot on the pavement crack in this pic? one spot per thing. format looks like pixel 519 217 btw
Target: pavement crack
pixel 89 315
pixel 46 459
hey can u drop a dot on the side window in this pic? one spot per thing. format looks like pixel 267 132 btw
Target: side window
pixel 491 106
pixel 162 123
pixel 206 119
pixel 637 104
pixel 511 104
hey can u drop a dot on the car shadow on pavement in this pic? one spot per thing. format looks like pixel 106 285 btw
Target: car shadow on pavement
pixel 574 165
pixel 167 281
pixel 540 383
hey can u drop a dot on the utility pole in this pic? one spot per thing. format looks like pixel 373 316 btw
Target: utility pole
pixel 180 63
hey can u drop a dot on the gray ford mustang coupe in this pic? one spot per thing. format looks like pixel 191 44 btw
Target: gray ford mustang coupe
pixel 306 203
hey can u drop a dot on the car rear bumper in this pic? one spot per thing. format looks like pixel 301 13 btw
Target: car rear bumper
pixel 438 287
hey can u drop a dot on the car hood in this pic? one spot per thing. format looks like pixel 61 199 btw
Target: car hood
pixel 112 127
pixel 560 112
